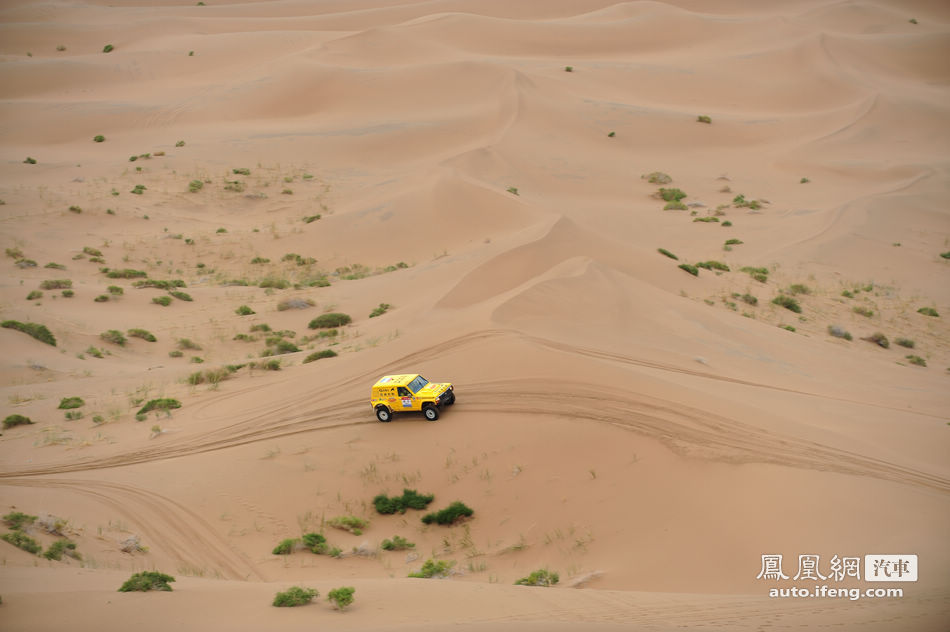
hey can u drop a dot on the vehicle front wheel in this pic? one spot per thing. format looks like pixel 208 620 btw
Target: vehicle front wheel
pixel 451 399
pixel 431 413
pixel 383 414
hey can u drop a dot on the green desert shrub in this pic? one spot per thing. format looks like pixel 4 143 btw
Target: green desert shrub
pixel 788 303
pixel 160 284
pixel 945 255
pixel 29 161
pixel 73 415
pixel 17 520
pixel 175 353
pixel 320 355
pixel 740 202
pixel 749 299
pixel 138 189
pixel 431 568
pixel 186 344
pixel 410 499
pixel 57 549
pixel 398 543
pixel 195 185
pixel 450 515
pixel 916 360
pixel 759 274
pixel 95 352
pixel 540 577
pixel 309 219
pixel 839 332
pixel 164 301
pixel 75 209
pixel 98 138
pixel 657 177
pixel 114 336
pixel 904 342
pixel 266 365
pixel 713 265
pixel 316 542
pixel 330 320
pixel 733 242
pixel 125 273
pixel 380 310
pixel 244 310
pixel 280 347
pixel 286 547
pixel 879 339
pixel 928 311
pixel 68 294
pixel 56 284
pixel 22 541
pixel 341 597
pixel 274 283
pixel 241 171
pixel 352 524
pixel 798 288
pixel 108 48
pixel 162 403
pixel 35 294
pixel 702 118
pixel 40 332
pixel 671 195
pixel 144 334
pixel 862 311
pixel 147 580
pixel 691 269
pixel 294 596
pixel 667 253
pixel 115 290
pixel 260 260
pixel 294 303
pixel 71 402
pixel 707 219
pixel 102 298
pixel 55 266
pixel 181 296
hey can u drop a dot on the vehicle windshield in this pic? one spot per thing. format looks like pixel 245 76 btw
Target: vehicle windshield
pixel 417 384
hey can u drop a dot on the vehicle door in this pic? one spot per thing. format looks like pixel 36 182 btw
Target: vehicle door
pixel 406 400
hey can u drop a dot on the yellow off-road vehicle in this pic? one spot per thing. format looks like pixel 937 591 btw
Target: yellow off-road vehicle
pixel 410 392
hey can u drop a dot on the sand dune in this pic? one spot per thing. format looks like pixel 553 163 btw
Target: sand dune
pixel 471 183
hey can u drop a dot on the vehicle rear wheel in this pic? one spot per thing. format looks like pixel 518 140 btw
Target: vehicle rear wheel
pixel 431 413
pixel 383 414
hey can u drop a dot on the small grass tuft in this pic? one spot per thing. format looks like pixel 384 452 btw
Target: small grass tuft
pixel 164 301
pixel 431 568
pixel 928 311
pixel 380 310
pixel 540 577
pixel 22 541
pixel 702 118
pixel 788 303
pixel 916 360
pixel 667 253
pixel 286 547
pixel 907 343
pixel 398 543
pixel 691 269
pixel 244 310
pixel 143 334
pixel 862 311
pixel 879 339
pixel 114 336
pixel 839 332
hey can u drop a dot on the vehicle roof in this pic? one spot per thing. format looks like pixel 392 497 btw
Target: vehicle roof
pixel 396 380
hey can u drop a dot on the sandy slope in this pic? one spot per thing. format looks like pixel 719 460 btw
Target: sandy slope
pixel 646 433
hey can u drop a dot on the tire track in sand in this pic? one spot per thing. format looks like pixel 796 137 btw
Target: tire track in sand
pixel 164 524
pixel 686 430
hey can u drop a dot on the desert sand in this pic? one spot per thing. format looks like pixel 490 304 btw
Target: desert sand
pixel 489 174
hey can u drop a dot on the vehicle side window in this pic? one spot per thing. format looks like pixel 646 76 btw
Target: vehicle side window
pixel 404 392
